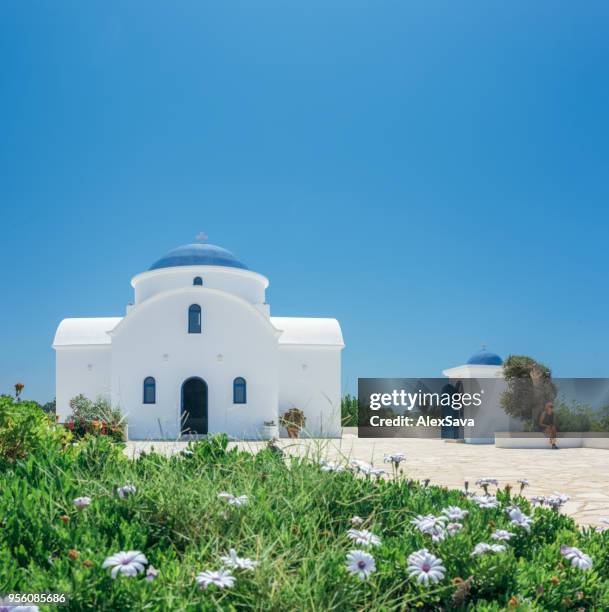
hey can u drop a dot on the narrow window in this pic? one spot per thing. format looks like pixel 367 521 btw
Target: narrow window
pixel 194 319
pixel 239 391
pixel 198 281
pixel 149 390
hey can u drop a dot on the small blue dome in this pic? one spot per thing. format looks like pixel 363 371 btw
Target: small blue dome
pixel 484 357
pixel 198 255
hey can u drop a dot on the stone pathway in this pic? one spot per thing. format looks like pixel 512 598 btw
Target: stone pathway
pixel 581 473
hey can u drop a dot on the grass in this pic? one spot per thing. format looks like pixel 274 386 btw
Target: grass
pixel 294 524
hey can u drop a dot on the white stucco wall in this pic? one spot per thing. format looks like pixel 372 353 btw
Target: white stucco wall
pixel 249 285
pixel 153 340
pixel 81 369
pixel 309 379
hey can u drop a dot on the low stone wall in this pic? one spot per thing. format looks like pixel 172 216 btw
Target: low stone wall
pixel 565 439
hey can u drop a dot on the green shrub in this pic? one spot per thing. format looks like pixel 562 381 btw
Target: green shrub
pixel 95 418
pixel 25 428
pixel 575 416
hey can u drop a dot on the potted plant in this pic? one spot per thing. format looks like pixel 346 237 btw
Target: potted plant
pixel 293 420
pixel 269 430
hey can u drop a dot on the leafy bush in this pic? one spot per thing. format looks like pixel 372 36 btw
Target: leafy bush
pixel 579 417
pixel 25 428
pixel 294 525
pixel 49 407
pixel 95 418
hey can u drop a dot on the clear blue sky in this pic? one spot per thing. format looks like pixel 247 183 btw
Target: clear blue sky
pixel 434 175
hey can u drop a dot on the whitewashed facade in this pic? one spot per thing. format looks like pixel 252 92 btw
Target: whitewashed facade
pixel 198 351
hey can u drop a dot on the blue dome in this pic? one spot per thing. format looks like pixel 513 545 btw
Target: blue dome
pixel 484 357
pixel 198 255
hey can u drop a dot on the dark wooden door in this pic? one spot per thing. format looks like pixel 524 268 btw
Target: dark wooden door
pixel 194 406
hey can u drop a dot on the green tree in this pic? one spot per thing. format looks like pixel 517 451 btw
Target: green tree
pixel 529 387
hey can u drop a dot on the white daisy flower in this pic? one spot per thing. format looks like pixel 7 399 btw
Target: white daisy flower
pixel 482 482
pixel 360 564
pixel 578 558
pixel 330 466
pixel 421 521
pixel 232 499
pixel 518 518
pixel 453 528
pixel 232 560
pixel 365 468
pixel 378 472
pixel 126 490
pixel 502 534
pixel 82 502
pixel 151 573
pixel 454 513
pixel 220 578
pixel 523 482
pixel 538 499
pixel 356 521
pixel 360 466
pixel 437 533
pixel 364 537
pixel 556 500
pixel 425 567
pixel 429 522
pixel 129 563
pixel 482 548
pixel 396 458
pixel 486 501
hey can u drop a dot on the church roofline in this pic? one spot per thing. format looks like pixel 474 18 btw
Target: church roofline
pixel 309 331
pixel 85 331
pixel 199 269
pixel 496 371
pixel 199 290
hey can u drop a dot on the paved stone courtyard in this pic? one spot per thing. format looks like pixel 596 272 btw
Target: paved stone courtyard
pixel 582 473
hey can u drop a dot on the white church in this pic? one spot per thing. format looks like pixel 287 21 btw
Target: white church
pixel 198 352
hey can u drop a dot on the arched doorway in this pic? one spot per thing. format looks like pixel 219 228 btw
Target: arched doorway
pixel 452 432
pixel 194 406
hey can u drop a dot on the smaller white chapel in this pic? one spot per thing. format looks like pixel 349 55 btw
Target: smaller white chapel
pixel 199 352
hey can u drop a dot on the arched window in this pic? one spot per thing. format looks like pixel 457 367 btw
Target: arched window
pixel 149 390
pixel 194 319
pixel 239 391
pixel 198 281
